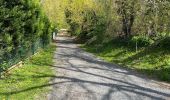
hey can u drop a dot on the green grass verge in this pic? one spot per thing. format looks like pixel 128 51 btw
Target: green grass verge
pixel 28 82
pixel 153 61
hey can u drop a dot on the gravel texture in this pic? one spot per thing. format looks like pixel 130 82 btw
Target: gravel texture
pixel 82 76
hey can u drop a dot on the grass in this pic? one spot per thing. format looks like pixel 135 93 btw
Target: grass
pixel 26 83
pixel 153 60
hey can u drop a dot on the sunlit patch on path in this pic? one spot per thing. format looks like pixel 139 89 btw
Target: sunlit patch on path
pixel 82 76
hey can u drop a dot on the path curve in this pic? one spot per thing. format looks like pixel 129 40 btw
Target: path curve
pixel 82 76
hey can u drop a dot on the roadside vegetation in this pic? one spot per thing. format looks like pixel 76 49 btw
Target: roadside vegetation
pixel 25 35
pixel 28 82
pixel 24 28
pixel 132 33
pixel 153 61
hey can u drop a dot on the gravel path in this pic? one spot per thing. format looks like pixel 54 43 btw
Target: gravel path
pixel 82 76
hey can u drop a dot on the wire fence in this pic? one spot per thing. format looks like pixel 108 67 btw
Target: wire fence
pixel 8 59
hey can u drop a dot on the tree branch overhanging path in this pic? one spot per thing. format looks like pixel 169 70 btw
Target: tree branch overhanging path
pixel 82 76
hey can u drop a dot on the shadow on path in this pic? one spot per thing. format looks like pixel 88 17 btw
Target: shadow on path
pixel 78 71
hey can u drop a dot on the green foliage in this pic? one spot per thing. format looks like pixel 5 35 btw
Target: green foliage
pixel 96 21
pixel 22 23
pixel 55 10
pixel 142 41
pixel 87 21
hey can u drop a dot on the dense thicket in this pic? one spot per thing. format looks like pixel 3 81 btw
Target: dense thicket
pixel 55 12
pixel 22 25
pixel 100 20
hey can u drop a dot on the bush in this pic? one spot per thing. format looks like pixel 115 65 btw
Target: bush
pixel 142 41
pixel 22 24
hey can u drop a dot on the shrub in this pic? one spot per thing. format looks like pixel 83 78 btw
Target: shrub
pixel 142 41
pixel 22 24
